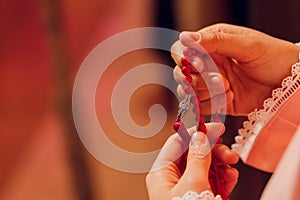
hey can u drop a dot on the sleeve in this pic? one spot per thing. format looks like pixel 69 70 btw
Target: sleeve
pixel 267 132
pixel 205 195
pixel 285 182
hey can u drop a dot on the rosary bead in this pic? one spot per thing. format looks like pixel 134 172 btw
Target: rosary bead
pixel 179 126
pixel 176 125
pixel 201 119
pixel 186 70
pixel 220 140
pixel 188 52
pixel 188 89
pixel 184 61
pixel 188 78
pixel 202 128
pixel 200 108
pixel 194 51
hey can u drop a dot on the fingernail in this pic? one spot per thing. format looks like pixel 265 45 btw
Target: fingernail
pixel 197 63
pixel 199 145
pixel 189 36
pixel 197 140
pixel 215 81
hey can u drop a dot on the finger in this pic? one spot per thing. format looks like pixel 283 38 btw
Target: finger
pixel 177 52
pixel 204 81
pixel 206 95
pixel 213 81
pixel 225 155
pixel 229 177
pixel 199 145
pixel 170 153
pixel 216 129
pixel 197 64
pixel 227 28
pixel 223 39
pixel 198 161
pixel 219 102
pixel 180 92
pixel 178 75
pixel 174 148
pixel 164 172
pixel 197 79
pixel 216 82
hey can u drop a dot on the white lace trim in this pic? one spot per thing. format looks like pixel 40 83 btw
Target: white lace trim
pixel 205 195
pixel 259 118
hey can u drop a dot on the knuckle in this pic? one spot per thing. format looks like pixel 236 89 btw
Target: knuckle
pixel 218 35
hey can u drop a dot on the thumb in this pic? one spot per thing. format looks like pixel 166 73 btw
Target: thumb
pixel 198 161
pixel 218 41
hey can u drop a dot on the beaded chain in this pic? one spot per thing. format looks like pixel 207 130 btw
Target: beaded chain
pixel 183 108
pixel 190 98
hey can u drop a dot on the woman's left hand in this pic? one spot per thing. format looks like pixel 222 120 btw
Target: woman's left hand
pixel 166 181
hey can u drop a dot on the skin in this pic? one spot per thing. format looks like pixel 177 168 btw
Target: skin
pixel 166 179
pixel 251 64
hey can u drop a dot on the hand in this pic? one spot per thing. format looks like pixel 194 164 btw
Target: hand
pixel 250 63
pixel 166 179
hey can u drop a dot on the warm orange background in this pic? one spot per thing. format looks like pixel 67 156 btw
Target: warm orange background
pixel 42 44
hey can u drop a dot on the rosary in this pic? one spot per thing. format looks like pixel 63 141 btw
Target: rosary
pixel 184 106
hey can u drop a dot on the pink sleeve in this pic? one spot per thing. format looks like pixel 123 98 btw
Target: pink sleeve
pixel 267 133
pixel 285 182
pixel 276 135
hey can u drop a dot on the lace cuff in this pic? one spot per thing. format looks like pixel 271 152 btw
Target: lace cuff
pixel 259 118
pixel 205 195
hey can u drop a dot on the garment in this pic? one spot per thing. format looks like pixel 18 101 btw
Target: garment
pixel 270 139
pixel 266 135
pixel 285 182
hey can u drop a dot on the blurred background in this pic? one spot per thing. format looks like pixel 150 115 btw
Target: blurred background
pixel 42 44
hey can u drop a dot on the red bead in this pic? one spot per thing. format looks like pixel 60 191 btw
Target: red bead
pixel 194 51
pixel 176 125
pixel 201 119
pixel 188 89
pixel 189 79
pixel 184 61
pixel 189 52
pixel 202 128
pixel 186 70
pixel 220 140
pixel 200 108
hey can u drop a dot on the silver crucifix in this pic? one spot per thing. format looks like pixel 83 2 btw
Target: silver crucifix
pixel 184 106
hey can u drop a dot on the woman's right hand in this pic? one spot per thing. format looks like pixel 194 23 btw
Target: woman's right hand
pixel 251 64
